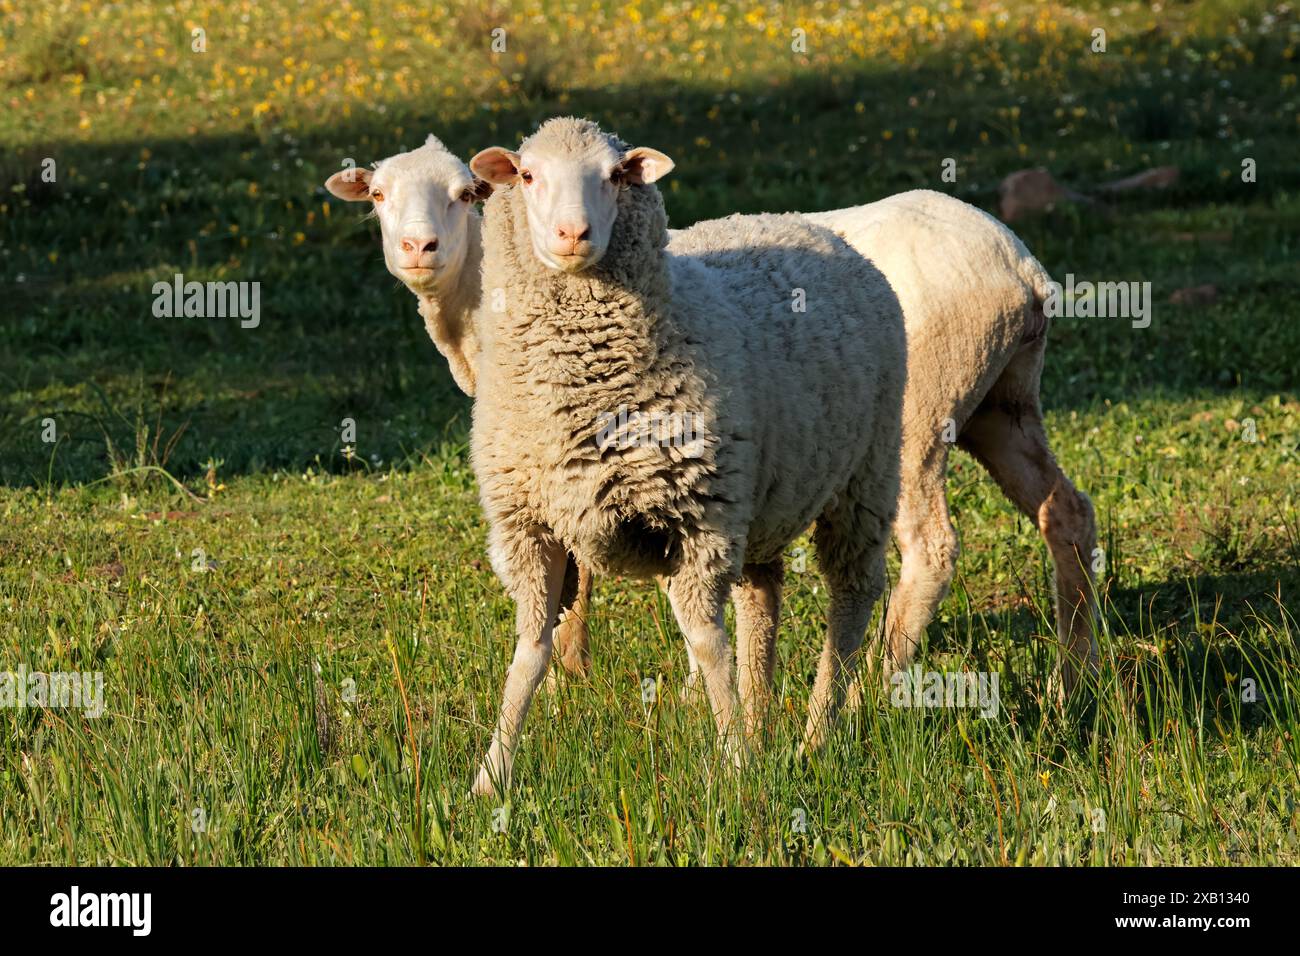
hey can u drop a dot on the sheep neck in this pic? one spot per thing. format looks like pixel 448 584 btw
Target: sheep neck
pixel 449 312
pixel 455 297
pixel 597 332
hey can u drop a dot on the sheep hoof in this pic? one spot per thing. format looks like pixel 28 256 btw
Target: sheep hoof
pixel 812 742
pixel 1056 696
pixel 736 751
pixel 483 785
pixel 739 757
pixel 551 688
pixel 853 697
pixel 572 640
pixel 691 687
pixel 733 759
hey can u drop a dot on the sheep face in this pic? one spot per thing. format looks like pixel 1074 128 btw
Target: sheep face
pixel 423 201
pixel 570 173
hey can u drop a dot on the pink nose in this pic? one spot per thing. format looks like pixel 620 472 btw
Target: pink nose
pixel 573 231
pixel 418 252
pixel 567 237
pixel 416 246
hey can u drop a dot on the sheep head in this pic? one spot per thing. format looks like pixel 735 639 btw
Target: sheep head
pixel 423 200
pixel 570 174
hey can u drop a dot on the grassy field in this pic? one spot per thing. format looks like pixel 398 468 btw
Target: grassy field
pixel 303 648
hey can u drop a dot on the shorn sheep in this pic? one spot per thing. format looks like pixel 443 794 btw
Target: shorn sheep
pixel 424 200
pixel 965 283
pixel 972 299
pixel 796 411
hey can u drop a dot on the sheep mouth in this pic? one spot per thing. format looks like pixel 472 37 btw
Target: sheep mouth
pixel 574 262
pixel 420 277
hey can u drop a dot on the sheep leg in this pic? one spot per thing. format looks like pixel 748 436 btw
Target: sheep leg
pixel 928 545
pixel 847 620
pixel 757 599
pixel 699 609
pixel 538 579
pixel 694 682
pixel 851 551
pixel 1009 440
pixel 572 639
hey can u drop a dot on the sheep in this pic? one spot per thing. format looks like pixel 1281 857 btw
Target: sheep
pixel 965 283
pixel 424 200
pixel 431 233
pixel 798 413
pixel 972 298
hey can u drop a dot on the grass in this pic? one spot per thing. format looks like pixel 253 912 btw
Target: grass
pixel 303 647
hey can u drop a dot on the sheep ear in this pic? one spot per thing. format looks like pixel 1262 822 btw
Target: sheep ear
pixel 644 165
pixel 497 166
pixel 350 184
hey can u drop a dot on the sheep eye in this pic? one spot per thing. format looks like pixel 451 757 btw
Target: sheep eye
pixel 376 195
pixel 526 176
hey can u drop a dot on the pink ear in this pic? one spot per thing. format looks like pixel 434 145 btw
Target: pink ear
pixel 352 185
pixel 496 165
pixel 644 165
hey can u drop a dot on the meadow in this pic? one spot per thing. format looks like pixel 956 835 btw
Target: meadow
pixel 301 642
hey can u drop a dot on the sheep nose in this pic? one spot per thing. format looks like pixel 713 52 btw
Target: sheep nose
pixel 573 231
pixel 418 245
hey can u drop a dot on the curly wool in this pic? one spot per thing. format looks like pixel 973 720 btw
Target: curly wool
pixel 789 405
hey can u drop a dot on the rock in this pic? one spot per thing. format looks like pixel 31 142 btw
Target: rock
pixel 1029 191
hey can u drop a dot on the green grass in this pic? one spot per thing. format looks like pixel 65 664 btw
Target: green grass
pixel 372 568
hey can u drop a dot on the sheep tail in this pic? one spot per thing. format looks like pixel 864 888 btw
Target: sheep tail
pixel 1039 281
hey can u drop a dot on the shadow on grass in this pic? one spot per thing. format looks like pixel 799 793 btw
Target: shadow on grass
pixel 1217 648
pixel 340 339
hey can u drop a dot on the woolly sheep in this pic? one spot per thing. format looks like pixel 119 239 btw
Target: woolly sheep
pixel 965 283
pixel 972 299
pixel 598 316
